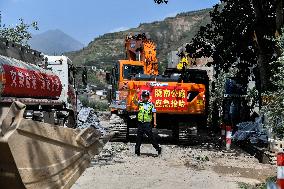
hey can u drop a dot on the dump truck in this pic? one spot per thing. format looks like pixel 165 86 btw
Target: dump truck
pixel 180 95
pixel 39 142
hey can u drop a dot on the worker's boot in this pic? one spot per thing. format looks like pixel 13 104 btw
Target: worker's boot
pixel 137 152
pixel 159 150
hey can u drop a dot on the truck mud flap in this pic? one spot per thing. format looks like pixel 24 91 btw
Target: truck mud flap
pixel 40 155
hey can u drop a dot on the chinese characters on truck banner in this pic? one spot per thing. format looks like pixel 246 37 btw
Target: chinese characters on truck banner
pixel 21 82
pixel 169 98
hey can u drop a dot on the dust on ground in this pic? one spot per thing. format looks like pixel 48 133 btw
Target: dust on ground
pixel 204 165
pixel 178 167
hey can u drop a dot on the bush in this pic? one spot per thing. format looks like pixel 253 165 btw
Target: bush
pixel 217 96
pixel 96 105
pixel 84 100
pixel 274 107
pixel 99 106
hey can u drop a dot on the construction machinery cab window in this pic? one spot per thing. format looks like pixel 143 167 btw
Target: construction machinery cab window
pixel 131 70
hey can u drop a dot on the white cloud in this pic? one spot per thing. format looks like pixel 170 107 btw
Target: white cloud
pixel 122 28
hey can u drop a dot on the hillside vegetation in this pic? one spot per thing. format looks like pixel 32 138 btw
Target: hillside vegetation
pixel 168 34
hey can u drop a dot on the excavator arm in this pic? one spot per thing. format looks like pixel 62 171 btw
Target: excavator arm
pixel 139 48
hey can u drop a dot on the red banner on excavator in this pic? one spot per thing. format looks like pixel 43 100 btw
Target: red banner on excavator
pixel 167 98
pixel 170 98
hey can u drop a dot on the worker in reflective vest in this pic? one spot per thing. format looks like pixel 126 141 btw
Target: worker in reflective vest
pixel 146 112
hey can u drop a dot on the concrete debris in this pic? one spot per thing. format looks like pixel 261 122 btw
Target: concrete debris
pixel 105 115
pixel 111 122
pixel 110 154
pixel 87 117
pixel 115 119
pixel 84 114
pixel 79 105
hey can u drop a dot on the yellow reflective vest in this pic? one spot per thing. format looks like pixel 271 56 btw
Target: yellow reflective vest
pixel 145 115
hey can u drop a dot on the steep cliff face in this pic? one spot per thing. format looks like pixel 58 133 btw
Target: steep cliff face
pixel 168 34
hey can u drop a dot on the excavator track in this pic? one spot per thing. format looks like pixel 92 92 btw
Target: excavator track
pixel 121 133
pixel 183 136
pixel 187 136
pixel 119 126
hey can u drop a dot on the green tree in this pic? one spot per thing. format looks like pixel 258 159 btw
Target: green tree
pixel 274 107
pixel 242 33
pixel 229 37
pixel 19 34
pixel 241 41
pixel 267 24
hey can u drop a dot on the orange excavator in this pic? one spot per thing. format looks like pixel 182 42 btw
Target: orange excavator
pixel 180 95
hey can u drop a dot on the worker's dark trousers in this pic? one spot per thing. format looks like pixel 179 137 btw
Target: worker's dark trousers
pixel 147 129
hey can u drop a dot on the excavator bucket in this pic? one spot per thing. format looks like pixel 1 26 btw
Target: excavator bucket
pixel 40 155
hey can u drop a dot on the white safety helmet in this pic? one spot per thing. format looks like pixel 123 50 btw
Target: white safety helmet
pixel 145 94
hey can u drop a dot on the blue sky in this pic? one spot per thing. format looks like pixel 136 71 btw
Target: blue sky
pixel 86 19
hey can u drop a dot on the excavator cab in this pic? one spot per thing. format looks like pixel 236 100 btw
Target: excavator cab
pixel 122 73
pixel 140 60
pixel 130 71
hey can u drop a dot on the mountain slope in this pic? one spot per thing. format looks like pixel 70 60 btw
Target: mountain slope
pixel 168 34
pixel 54 42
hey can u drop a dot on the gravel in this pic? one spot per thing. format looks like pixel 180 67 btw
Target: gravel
pixel 87 117
pixel 204 165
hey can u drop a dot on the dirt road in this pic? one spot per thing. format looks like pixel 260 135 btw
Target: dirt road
pixel 201 166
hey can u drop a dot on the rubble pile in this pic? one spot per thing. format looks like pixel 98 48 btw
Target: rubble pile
pixel 115 120
pixel 110 151
pixel 105 115
pixel 87 117
pixel 84 114
pixel 114 123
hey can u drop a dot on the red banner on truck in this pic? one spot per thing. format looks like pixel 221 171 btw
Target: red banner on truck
pixel 21 82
